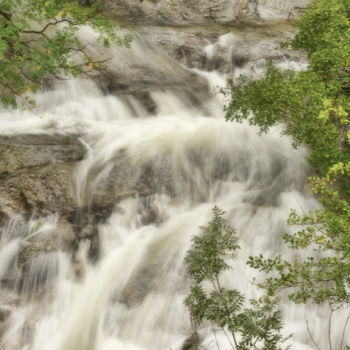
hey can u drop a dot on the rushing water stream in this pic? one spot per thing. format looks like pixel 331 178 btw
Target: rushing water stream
pixel 131 298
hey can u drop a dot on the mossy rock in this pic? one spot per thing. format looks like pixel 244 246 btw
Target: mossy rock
pixel 22 151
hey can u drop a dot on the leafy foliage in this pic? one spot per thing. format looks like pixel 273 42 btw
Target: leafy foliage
pixel 38 40
pixel 257 326
pixel 212 250
pixel 314 107
pixel 302 101
pixel 324 276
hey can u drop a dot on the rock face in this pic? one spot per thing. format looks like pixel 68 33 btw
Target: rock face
pixel 144 69
pixel 60 238
pixel 227 50
pixel 37 180
pixel 206 11
pixel 36 174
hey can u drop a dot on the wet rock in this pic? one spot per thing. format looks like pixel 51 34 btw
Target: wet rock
pixel 60 238
pixel 126 180
pixel 182 43
pixel 182 11
pixel 26 150
pixel 150 215
pixel 37 182
pixel 247 52
pixel 140 285
pixel 4 218
pixel 146 80
pixel 38 191
pixel 5 312
pixel 38 274
pixel 30 250
pixel 84 222
pixel 155 179
pixel 205 11
pixel 36 174
pixel 146 100
pixel 229 50
pixel 190 57
pixel 145 68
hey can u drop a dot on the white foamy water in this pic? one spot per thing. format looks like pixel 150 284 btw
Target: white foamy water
pixel 131 298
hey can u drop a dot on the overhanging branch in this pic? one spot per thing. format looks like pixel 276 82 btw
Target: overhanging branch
pixel 42 31
pixel 6 15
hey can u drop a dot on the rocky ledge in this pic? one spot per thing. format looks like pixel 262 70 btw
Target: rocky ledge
pixel 37 180
pixel 204 11
pixel 36 174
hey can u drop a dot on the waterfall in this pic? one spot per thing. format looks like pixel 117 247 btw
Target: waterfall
pixel 160 172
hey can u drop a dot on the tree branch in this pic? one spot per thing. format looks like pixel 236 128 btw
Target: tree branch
pixel 310 334
pixel 6 15
pixel 343 335
pixel 330 328
pixel 42 31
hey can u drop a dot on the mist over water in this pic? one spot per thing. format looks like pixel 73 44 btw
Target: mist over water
pixel 131 298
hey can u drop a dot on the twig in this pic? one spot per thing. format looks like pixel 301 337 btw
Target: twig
pixel 228 338
pixel 48 25
pixel 343 335
pixel 234 339
pixel 311 337
pixel 216 339
pixel 6 15
pixel 217 288
pixel 330 328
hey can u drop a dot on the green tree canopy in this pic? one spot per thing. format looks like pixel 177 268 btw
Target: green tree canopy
pixel 38 40
pixel 314 104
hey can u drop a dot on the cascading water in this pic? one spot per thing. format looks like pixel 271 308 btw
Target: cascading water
pixel 170 168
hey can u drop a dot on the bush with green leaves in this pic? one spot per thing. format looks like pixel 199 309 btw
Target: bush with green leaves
pixel 313 106
pixel 323 277
pixel 257 325
pixel 38 39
